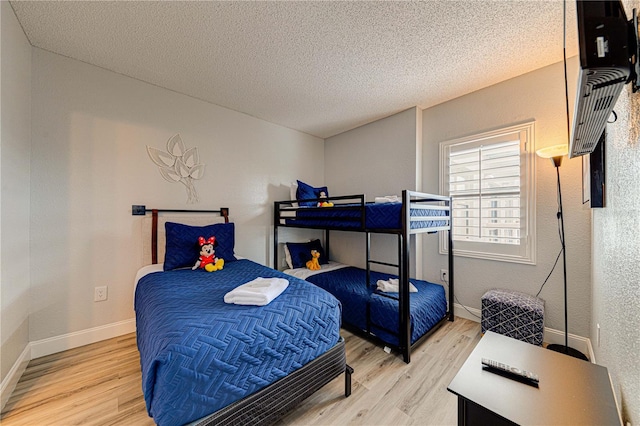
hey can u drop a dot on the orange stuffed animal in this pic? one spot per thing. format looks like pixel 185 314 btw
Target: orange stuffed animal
pixel 313 264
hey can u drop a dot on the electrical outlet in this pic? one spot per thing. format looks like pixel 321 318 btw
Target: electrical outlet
pixel 444 275
pixel 100 294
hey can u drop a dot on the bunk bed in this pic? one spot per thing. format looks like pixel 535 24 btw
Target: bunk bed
pixel 206 362
pixel 416 213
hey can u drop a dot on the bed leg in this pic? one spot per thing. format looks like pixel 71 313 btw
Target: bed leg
pixel 347 381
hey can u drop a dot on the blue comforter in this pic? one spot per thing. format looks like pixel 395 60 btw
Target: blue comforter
pixel 377 216
pixel 199 354
pixel 427 307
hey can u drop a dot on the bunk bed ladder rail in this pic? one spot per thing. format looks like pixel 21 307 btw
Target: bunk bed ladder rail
pixel 276 222
pixel 377 262
pixel 404 253
pixel 404 243
pixel 449 204
pixel 368 262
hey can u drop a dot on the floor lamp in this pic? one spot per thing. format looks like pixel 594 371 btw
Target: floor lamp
pixel 555 153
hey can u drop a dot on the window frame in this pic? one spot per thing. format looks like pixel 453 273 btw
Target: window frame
pixel 525 132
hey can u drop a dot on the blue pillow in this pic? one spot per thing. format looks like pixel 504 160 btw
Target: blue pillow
pixel 308 192
pixel 183 250
pixel 301 253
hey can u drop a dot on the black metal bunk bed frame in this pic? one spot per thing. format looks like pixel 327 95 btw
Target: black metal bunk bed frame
pixel 410 200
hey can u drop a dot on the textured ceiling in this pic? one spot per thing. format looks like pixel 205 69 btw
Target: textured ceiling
pixel 318 67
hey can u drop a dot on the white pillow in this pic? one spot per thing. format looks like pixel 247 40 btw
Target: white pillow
pixel 287 255
pixel 293 194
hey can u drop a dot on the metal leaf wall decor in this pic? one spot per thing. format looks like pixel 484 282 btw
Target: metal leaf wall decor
pixel 179 164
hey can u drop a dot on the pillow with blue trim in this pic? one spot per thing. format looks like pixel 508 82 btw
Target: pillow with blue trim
pixel 182 248
pixel 308 192
pixel 300 253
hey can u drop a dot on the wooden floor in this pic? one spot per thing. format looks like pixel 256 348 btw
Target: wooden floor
pixel 100 384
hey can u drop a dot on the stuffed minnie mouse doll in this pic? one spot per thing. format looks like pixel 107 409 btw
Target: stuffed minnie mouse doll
pixel 207 259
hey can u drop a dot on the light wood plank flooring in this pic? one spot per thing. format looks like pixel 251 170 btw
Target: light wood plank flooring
pixel 100 384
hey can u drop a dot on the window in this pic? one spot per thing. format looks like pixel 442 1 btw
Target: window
pixel 490 177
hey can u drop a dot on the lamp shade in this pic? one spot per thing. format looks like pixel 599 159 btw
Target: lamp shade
pixel 555 152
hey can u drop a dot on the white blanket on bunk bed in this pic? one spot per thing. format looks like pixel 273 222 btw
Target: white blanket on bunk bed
pixel 304 273
pixel 260 291
pixel 388 199
pixel 392 285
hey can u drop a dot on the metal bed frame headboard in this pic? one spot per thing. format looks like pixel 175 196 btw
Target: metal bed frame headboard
pixel 142 210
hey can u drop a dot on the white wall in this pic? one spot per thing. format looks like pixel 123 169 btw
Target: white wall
pixel 15 136
pixel 89 165
pixel 538 95
pixel 616 256
pixel 616 259
pixel 379 158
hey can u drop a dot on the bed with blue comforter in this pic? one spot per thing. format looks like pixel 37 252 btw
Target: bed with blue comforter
pixel 199 354
pixel 375 312
pixel 379 315
pixel 375 216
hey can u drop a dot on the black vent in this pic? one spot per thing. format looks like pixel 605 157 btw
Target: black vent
pixel 603 103
pixel 598 93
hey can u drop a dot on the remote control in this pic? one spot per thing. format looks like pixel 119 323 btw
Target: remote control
pixel 510 372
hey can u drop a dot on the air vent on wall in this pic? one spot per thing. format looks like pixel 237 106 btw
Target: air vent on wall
pixel 599 91
pixel 608 61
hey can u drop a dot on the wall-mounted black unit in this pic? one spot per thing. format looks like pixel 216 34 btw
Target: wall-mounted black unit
pixel 593 175
pixel 608 61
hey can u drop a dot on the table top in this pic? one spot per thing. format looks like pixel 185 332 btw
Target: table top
pixel 571 391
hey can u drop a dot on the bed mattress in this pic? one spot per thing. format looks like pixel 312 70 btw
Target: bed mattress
pixel 348 284
pixel 199 354
pixel 378 216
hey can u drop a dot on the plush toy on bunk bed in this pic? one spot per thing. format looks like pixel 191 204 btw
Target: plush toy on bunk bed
pixel 313 264
pixel 207 259
pixel 323 195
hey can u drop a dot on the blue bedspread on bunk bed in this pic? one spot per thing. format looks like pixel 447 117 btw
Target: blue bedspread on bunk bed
pixel 199 354
pixel 428 305
pixel 377 216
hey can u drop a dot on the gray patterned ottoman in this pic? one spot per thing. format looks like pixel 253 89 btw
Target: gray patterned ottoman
pixel 513 314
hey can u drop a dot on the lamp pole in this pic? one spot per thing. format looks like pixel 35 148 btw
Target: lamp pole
pixel 564 260
pixel 565 349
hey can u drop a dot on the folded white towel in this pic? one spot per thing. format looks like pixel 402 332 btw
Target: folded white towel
pixel 388 199
pixel 393 286
pixel 260 291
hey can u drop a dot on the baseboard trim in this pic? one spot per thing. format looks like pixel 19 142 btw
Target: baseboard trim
pixel 56 344
pixel 551 335
pixel 583 344
pixel 592 354
pixel 13 376
pixel 76 339
pixel 466 312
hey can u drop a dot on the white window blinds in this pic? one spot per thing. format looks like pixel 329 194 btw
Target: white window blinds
pixel 491 178
pixel 485 183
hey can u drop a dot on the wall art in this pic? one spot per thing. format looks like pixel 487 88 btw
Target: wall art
pixel 179 164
